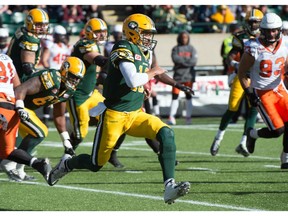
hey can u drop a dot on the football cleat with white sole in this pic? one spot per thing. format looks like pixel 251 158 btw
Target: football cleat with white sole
pixel 215 146
pixel 241 149
pixel 59 170
pixel 175 190
pixel 13 175
pixel 43 166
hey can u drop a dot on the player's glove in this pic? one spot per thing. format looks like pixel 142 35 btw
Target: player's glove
pixel 184 88
pixel 23 114
pixel 252 97
pixel 68 148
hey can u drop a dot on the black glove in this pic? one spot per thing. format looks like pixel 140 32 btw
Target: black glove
pixel 184 88
pixel 253 98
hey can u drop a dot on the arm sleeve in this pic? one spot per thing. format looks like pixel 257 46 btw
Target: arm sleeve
pixel 132 78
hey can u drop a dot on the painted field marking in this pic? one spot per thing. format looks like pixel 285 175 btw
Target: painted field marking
pixel 192 202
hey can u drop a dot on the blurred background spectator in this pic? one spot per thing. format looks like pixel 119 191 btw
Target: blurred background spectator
pixel 222 16
pixel 72 14
pixel 91 11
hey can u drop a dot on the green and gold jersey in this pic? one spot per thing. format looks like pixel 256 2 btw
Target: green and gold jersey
pixel 239 38
pixel 23 40
pixel 118 95
pixel 87 84
pixel 52 93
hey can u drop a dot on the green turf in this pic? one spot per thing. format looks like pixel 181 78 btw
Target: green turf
pixel 226 182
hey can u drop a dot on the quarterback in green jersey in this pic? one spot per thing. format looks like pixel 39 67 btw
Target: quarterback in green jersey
pixel 24 48
pixel 128 71
pixel 43 88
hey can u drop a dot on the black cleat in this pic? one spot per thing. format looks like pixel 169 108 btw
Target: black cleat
pixel 69 151
pixel 215 147
pixel 43 166
pixel 284 166
pixel 114 160
pixel 250 143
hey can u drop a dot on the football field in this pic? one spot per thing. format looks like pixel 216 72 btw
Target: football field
pixel 226 182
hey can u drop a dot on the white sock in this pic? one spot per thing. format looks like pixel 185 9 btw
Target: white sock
pixel 243 140
pixel 20 169
pixel 220 134
pixel 174 107
pixel 188 108
pixel 8 165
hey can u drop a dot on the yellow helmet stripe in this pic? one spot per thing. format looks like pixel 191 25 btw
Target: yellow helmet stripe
pixel 82 69
pixel 44 15
pixel 102 24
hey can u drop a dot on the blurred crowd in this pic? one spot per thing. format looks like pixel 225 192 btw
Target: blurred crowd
pixel 168 18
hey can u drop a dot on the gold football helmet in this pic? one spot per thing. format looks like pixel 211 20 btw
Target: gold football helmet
pixel 140 30
pixel 37 22
pixel 96 29
pixel 252 21
pixel 72 72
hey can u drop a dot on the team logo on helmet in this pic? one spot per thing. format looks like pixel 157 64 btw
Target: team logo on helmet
pixel 66 65
pixel 88 29
pixel 132 25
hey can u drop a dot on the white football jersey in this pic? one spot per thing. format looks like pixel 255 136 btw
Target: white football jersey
pixel 268 68
pixel 58 53
pixel 7 73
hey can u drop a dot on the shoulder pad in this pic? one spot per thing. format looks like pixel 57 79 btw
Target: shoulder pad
pixel 122 50
pixel 50 78
pixel 237 43
pixel 123 54
pixel 29 42
pixel 85 46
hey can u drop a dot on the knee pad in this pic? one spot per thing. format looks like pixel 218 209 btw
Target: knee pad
pixel 165 136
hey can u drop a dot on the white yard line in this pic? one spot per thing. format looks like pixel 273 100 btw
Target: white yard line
pixel 132 146
pixel 192 202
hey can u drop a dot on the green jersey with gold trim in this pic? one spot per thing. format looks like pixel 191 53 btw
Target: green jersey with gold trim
pixel 52 92
pixel 119 96
pixel 23 40
pixel 87 84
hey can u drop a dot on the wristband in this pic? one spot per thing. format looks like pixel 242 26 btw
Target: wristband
pixel 65 136
pixel 19 104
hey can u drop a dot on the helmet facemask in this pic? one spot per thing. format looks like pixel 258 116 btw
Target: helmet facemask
pixel 252 27
pixel 140 30
pixel 96 30
pixel 72 72
pixel 268 38
pixel 146 41
pixel 100 37
pixel 71 81
pixel 271 28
